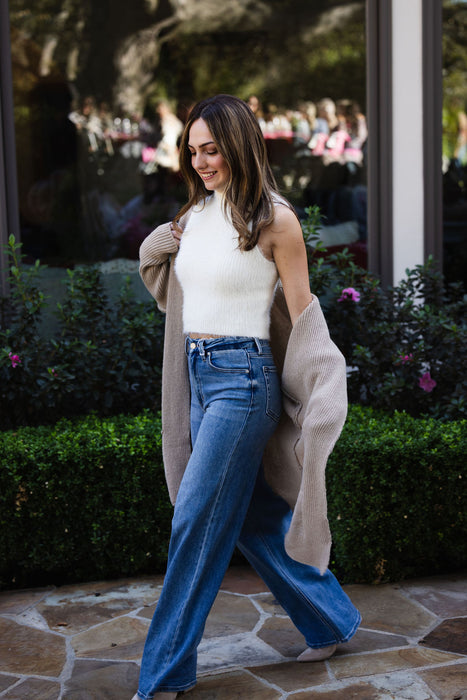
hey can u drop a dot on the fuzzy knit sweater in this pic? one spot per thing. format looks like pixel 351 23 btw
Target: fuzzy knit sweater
pixel 313 381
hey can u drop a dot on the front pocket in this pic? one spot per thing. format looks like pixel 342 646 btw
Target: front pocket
pixel 229 360
pixel 273 394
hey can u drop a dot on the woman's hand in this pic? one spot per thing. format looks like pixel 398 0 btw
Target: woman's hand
pixel 177 231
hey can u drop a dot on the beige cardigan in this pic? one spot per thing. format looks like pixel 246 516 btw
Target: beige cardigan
pixel 313 379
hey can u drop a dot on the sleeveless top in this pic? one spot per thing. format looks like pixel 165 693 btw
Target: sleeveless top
pixel 226 291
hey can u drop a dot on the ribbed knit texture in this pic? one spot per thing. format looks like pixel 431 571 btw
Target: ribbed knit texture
pixel 314 402
pixel 226 291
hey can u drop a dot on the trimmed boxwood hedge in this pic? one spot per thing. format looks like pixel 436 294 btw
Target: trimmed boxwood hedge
pixel 81 500
pixel 397 496
pixel 86 499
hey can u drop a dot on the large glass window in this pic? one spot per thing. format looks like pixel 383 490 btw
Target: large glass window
pixel 102 89
pixel 455 139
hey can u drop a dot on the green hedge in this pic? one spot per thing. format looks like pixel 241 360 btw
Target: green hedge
pixel 82 500
pixel 86 499
pixel 397 496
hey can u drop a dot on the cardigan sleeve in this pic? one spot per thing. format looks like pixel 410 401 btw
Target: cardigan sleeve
pixel 154 256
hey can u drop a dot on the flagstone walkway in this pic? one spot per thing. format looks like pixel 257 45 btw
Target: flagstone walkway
pixel 84 642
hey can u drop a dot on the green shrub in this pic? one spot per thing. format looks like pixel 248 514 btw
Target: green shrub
pixel 81 500
pixel 397 496
pixel 86 499
pixel 405 346
pixel 104 357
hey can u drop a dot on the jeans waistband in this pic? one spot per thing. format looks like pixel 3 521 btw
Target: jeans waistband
pixel 203 345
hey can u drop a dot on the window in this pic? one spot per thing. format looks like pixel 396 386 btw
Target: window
pixel 455 139
pixel 101 91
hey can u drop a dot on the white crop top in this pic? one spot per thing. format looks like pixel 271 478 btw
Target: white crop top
pixel 226 291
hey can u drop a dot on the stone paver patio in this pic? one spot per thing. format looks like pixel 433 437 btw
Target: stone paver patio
pixel 84 642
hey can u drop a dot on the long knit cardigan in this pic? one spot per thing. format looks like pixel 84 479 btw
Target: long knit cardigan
pixel 314 394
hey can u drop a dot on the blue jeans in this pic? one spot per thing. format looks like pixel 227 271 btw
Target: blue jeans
pixel 224 500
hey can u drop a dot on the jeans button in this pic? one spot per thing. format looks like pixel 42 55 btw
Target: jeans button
pixel 192 346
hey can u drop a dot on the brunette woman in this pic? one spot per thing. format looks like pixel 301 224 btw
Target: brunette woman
pixel 246 431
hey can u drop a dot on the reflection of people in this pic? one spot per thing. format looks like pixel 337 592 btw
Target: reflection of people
pixel 87 122
pixel 171 129
pixel 255 105
pixel 460 152
pixel 214 271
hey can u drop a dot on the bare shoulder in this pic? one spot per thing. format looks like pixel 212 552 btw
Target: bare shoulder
pixel 285 220
pixel 284 230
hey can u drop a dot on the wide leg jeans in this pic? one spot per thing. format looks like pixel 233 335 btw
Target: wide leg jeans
pixel 223 500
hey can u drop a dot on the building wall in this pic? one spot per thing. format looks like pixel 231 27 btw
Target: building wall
pixel 408 123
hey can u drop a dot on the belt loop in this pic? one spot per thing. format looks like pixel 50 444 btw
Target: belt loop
pixel 202 352
pixel 258 345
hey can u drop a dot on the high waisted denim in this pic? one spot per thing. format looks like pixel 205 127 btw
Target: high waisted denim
pixel 224 500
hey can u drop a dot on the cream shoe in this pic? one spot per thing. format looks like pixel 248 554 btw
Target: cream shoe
pixel 317 654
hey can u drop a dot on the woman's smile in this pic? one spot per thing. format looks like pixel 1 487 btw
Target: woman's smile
pixel 206 160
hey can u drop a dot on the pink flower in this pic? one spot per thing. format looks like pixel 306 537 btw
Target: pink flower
pixel 406 358
pixel 349 294
pixel 52 371
pixel 15 361
pixel 426 382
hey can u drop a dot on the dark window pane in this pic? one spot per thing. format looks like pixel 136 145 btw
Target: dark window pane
pixel 455 139
pixel 102 90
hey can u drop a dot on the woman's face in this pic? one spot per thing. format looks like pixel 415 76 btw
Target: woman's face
pixel 206 159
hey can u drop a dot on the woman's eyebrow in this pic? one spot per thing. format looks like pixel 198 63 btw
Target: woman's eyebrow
pixel 208 143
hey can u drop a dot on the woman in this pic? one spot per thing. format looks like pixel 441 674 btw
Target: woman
pixel 215 272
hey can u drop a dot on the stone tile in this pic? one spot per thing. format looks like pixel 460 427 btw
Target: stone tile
pixel 109 681
pixel 387 661
pixel 15 602
pixel 358 691
pixel 28 651
pixel 281 634
pixel 292 676
pixel 235 685
pixel 385 608
pixel 448 682
pixel 445 596
pixel 402 686
pixel 365 640
pixel 235 651
pixel 242 579
pixel 71 609
pixel 450 635
pixel 34 689
pixel 147 611
pixel 231 614
pixel 269 604
pixel 7 681
pixel 119 639
pixel 32 618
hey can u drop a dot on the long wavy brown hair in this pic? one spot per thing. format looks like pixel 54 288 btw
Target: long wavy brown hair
pixel 251 188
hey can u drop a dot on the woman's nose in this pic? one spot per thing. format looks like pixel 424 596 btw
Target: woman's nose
pixel 199 161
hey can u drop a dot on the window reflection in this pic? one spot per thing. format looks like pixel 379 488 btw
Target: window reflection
pixel 98 121
pixel 455 140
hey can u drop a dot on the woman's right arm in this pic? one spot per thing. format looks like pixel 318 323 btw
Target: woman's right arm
pixel 154 266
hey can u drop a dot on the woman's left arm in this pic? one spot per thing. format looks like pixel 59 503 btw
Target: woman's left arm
pixel 287 246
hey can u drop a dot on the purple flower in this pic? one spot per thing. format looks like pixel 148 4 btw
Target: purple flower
pixel 406 358
pixel 426 382
pixel 349 294
pixel 15 361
